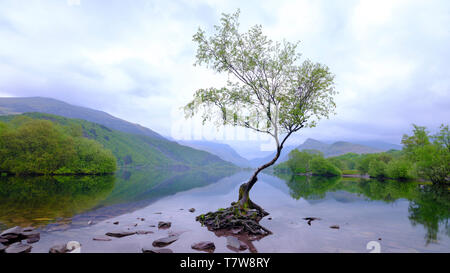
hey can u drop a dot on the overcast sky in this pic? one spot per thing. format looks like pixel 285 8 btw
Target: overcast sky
pixel 134 59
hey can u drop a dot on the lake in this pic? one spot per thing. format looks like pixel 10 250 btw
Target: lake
pixel 398 216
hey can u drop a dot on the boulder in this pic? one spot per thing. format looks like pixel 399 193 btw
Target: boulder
pixel 191 210
pixel 165 241
pixel 204 245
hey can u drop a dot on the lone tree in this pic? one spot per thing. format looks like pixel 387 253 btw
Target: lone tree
pixel 268 90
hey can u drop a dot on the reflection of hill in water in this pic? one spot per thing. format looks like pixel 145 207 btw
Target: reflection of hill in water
pixel 136 189
pixel 76 200
pixel 39 200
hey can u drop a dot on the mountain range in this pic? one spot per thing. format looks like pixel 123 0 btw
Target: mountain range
pixel 131 144
pixel 147 146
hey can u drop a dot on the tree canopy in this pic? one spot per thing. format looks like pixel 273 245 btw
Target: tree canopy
pixel 268 89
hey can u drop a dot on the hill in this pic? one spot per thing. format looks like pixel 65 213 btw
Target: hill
pixel 224 151
pixel 137 150
pixel 13 106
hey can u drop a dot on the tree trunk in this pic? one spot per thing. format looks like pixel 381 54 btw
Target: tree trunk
pixel 244 190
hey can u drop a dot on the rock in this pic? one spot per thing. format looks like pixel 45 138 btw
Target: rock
pixel 90 223
pixel 152 226
pixel 191 210
pixel 116 223
pixel 234 243
pixel 18 248
pixel 156 250
pixel 119 234
pixel 270 218
pixel 379 239
pixel 17 234
pixel 143 232
pixel 334 226
pixel 157 213
pixel 12 231
pixel 2 248
pixel 102 238
pixel 165 241
pixel 58 249
pixel 142 219
pixel 164 225
pixel 205 245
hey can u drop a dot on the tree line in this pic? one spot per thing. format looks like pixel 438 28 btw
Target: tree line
pixel 423 156
pixel 35 146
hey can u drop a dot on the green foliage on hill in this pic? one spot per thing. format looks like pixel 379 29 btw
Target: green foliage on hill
pixel 131 149
pixel 308 161
pixel 423 156
pixel 32 146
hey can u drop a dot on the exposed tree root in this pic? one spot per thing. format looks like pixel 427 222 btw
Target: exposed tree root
pixel 236 219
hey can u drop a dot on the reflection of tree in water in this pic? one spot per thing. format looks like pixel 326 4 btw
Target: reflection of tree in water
pixel 429 204
pixel 311 187
pixel 39 200
pixel 388 190
pixel 432 210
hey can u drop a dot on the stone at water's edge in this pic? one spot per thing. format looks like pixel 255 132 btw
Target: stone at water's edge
pixel 18 248
pixel 155 250
pixel 17 234
pixel 205 245
pixel 143 232
pixel 165 241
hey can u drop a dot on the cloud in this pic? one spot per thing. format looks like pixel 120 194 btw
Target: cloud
pixel 134 59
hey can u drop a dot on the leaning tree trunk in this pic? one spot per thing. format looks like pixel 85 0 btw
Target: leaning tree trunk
pixel 244 200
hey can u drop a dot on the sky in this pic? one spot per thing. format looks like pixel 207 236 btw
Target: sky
pixel 134 60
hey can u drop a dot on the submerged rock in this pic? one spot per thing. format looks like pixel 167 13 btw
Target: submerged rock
pixel 18 248
pixel 165 241
pixel 310 219
pixel 102 238
pixel 119 234
pixel 143 232
pixel 164 225
pixel 205 246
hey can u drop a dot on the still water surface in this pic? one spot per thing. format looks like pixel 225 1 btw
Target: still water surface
pixel 400 216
